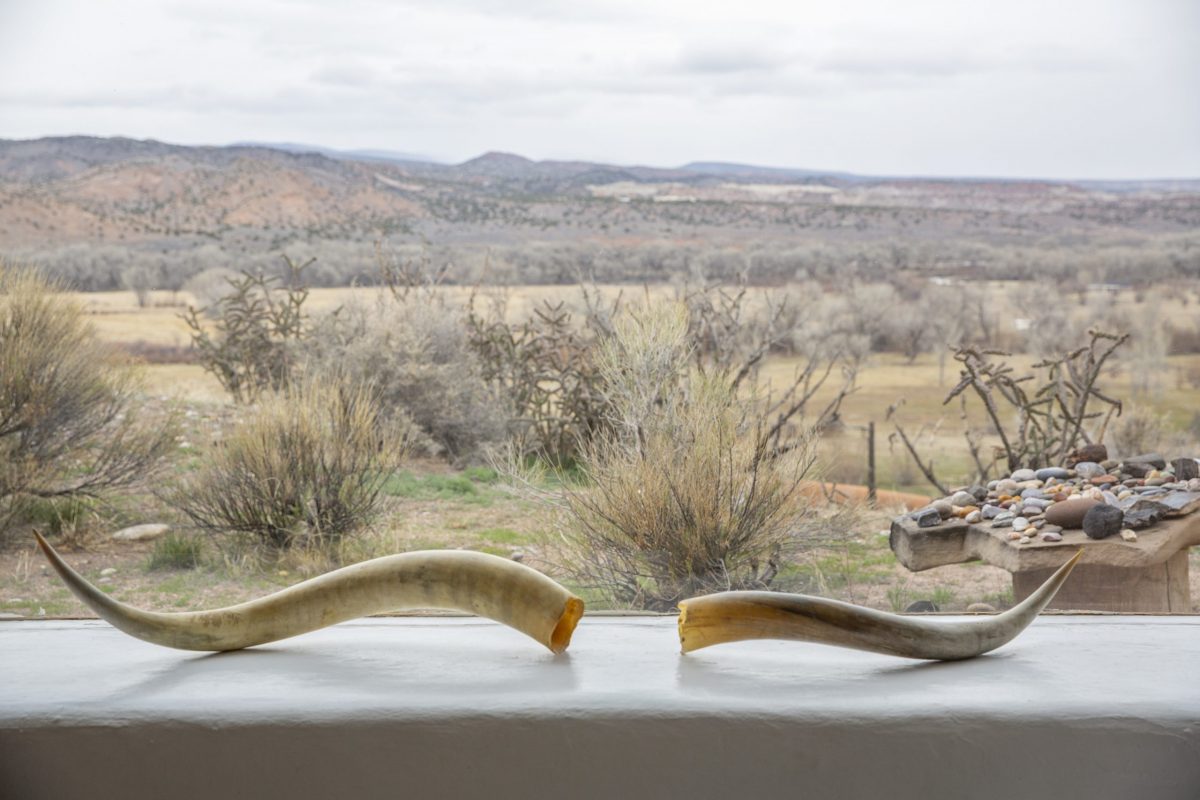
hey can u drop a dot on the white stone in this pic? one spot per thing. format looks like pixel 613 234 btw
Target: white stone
pixel 108 571
pixel 141 533
pixel 1128 535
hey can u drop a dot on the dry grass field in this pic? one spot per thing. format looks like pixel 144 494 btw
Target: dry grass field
pixel 434 506
pixel 917 387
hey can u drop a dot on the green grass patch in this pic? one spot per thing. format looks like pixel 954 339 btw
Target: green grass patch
pixel 485 475
pixel 943 597
pixel 55 515
pixel 176 584
pixel 472 486
pixel 503 536
pixel 175 551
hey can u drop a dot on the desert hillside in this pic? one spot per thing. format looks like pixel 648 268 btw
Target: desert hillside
pixel 94 208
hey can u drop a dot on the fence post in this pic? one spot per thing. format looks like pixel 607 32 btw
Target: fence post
pixel 871 462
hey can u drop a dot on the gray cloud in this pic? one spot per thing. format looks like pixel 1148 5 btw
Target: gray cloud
pixel 1023 88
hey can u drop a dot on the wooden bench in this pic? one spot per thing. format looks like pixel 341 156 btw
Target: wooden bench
pixel 1149 575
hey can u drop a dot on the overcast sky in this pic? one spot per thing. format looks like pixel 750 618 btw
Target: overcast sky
pixel 1085 88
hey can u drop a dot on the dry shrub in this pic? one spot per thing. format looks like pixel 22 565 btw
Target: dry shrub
pixel 686 494
pixel 210 286
pixel 1143 431
pixel 1183 341
pixel 307 467
pixel 67 421
pixel 545 368
pixel 250 345
pixel 416 356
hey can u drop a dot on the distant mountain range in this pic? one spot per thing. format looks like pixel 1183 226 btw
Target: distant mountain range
pixel 56 156
pixel 80 199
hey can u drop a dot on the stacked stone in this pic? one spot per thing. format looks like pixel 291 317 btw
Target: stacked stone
pixel 1102 496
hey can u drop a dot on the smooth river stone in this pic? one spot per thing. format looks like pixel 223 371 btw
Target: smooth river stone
pixel 1006 486
pixel 963 498
pixel 1088 469
pixel 1052 472
pixel 1022 475
pixel 1070 513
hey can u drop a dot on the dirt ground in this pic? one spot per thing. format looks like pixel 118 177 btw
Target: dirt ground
pixel 863 571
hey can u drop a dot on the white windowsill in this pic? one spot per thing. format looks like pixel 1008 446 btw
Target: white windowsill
pixel 1077 706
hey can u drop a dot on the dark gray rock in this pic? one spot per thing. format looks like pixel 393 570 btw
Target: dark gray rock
pixel 921 607
pixel 1186 469
pixel 980 492
pixel 1153 459
pixel 1144 513
pixel 1180 502
pixel 1136 469
pixel 1103 521
pixel 927 517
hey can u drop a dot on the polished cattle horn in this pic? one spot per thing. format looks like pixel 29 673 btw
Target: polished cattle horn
pixel 736 616
pixel 482 584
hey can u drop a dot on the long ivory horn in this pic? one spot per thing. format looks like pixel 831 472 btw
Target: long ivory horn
pixel 736 616
pixel 486 585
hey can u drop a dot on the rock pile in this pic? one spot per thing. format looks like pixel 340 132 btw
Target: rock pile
pixel 1101 496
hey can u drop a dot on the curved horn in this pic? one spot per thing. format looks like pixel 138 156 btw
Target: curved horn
pixel 482 584
pixel 736 616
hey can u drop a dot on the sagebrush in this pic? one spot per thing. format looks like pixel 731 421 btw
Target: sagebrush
pixel 686 494
pixel 306 467
pixel 69 425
